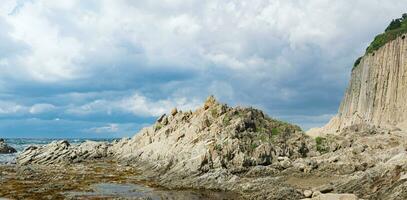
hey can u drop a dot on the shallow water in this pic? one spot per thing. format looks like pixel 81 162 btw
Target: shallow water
pixel 133 191
pixel 102 190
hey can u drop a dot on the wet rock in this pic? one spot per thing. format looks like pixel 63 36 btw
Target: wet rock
pixel 6 149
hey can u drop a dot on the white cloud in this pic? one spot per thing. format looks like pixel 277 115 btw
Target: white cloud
pixel 41 108
pixel 10 108
pixel 64 37
pixel 114 129
pixel 110 128
pixel 140 105
pixel 13 108
pixel 136 104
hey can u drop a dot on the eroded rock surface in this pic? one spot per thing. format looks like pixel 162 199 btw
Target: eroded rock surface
pixel 216 137
pixel 61 152
pixel 369 162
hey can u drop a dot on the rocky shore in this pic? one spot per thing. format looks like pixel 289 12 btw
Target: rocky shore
pixel 241 151
pixel 222 152
pixel 97 179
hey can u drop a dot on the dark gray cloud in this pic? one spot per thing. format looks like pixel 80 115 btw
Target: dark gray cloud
pixel 100 68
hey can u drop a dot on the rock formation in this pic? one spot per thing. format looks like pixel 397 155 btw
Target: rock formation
pixel 377 92
pixel 206 148
pixel 61 152
pixel 215 136
pixel 365 143
pixel 6 149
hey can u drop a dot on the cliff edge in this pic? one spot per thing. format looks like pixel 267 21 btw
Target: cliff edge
pixel 377 91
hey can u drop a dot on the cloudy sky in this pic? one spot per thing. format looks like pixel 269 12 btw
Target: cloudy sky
pixel 106 68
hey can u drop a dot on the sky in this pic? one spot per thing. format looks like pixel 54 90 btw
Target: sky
pixel 107 68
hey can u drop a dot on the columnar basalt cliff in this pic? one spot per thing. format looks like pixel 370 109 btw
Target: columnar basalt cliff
pixel 377 92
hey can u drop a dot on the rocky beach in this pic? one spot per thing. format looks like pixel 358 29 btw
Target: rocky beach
pixel 217 151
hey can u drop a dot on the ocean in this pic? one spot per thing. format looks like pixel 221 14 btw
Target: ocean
pixel 21 143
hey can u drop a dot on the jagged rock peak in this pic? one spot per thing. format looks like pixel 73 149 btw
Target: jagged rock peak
pixel 210 101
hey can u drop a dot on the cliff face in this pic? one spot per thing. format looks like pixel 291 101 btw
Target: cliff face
pixel 377 93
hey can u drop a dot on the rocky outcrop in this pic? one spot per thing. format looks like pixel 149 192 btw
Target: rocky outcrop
pixel 377 91
pixel 215 137
pixel 208 148
pixel 61 152
pixel 369 162
pixel 6 149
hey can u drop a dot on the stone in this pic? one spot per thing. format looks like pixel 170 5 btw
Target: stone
pixel 403 176
pixel 210 101
pixel 6 149
pixel 160 119
pixel 316 194
pixel 307 193
pixel 325 188
pixel 285 164
pixel 280 158
pixel 174 111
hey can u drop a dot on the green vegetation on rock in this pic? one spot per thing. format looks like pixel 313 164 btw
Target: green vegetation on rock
pixel 396 28
pixel 275 131
pixel 357 62
pixel 321 145
pixel 158 126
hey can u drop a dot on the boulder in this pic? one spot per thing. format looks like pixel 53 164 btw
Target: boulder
pixel 174 111
pixel 6 149
pixel 307 193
